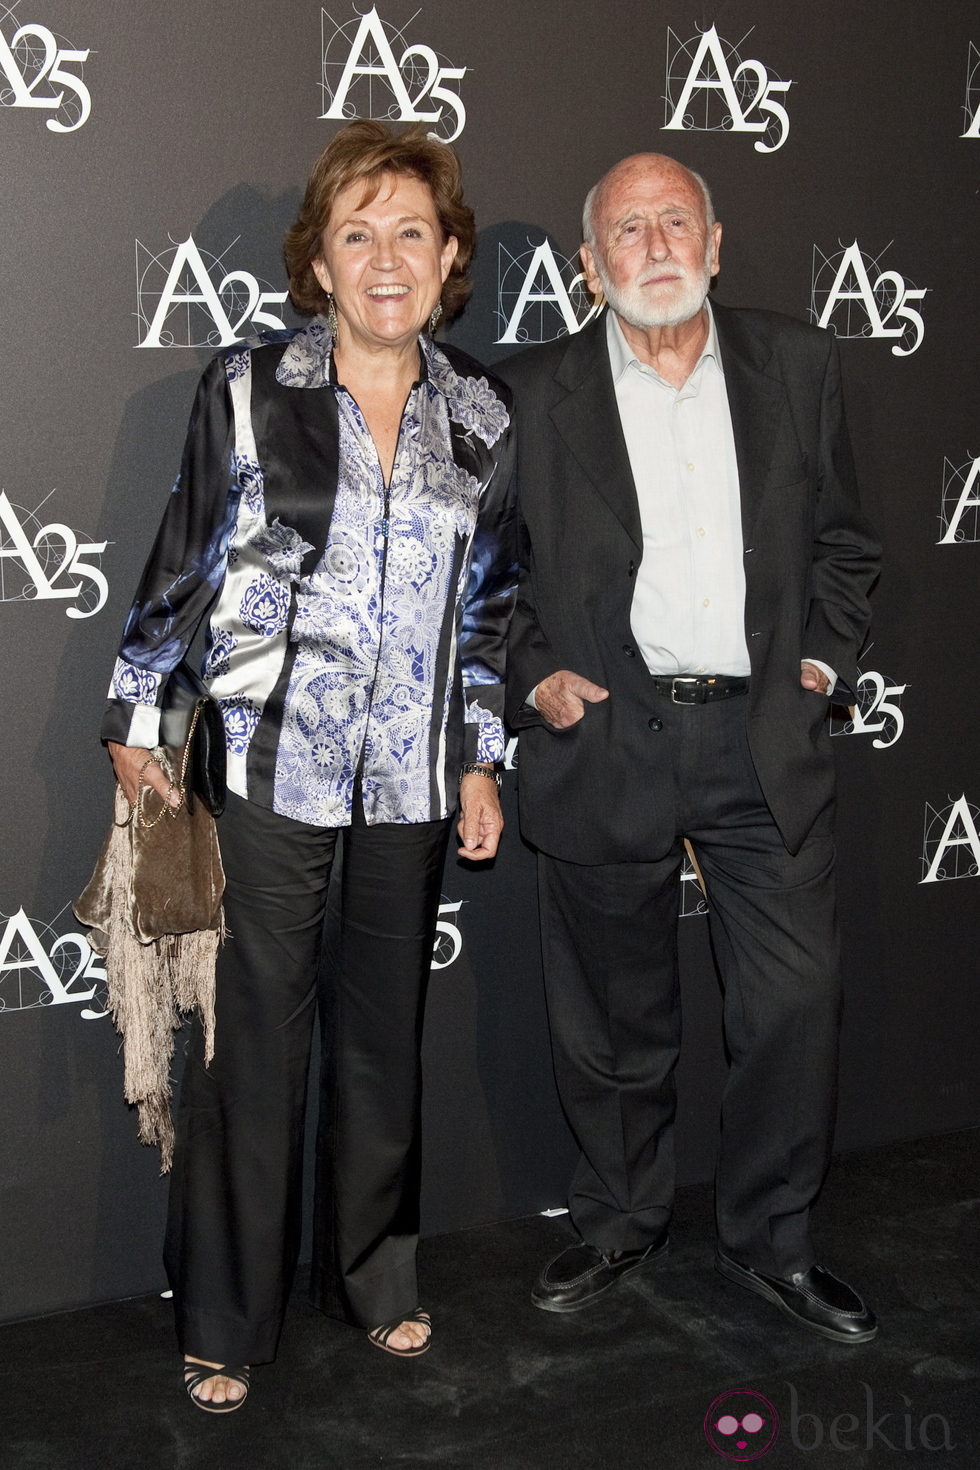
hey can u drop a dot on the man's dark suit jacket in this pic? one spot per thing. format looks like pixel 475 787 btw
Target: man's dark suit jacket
pixel 600 792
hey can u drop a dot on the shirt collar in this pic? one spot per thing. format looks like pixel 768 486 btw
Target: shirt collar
pixel 308 359
pixel 622 356
pixel 471 402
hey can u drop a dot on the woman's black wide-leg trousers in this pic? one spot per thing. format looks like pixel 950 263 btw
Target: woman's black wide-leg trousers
pixel 234 1221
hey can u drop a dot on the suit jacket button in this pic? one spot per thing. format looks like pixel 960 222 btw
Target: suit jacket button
pixel 655 725
pixel 629 650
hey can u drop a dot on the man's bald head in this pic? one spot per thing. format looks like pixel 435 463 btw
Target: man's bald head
pixel 626 165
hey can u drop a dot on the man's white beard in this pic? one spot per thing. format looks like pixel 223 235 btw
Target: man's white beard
pixel 635 305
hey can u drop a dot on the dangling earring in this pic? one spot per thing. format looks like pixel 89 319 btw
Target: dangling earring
pixel 435 318
pixel 332 318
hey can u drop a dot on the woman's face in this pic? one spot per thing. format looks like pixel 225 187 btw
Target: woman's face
pixel 384 262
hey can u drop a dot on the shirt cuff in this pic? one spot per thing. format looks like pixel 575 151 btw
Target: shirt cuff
pixel 824 669
pixel 131 724
pixel 483 735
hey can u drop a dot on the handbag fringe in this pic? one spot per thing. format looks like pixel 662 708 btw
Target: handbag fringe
pixel 150 984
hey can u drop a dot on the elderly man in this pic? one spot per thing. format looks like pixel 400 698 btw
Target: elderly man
pixel 694 585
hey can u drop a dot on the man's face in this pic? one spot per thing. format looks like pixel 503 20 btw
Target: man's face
pixel 654 255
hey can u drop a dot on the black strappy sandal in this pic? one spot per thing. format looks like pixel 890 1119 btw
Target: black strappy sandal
pixel 380 1336
pixel 197 1373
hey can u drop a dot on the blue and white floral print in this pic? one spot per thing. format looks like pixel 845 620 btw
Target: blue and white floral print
pixel 306 361
pixel 217 660
pixel 241 717
pixel 137 686
pixel 264 606
pixel 369 621
pixel 366 646
pixel 249 474
pixel 471 401
pixel 282 547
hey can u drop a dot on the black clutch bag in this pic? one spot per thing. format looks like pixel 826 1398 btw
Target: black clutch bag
pixel 205 777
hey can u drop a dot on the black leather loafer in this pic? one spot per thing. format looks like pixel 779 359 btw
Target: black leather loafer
pixel 814 1298
pixel 581 1273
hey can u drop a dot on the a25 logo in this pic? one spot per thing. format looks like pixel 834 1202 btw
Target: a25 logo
pixel 369 81
pixel 185 297
pixel 541 294
pixel 710 89
pixel 960 514
pixel 36 72
pixel 855 298
pixel 951 841
pixel 878 711
pixel 40 967
pixel 448 945
pixel 51 563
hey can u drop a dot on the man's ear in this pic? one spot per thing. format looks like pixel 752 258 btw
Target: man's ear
pixel 715 247
pixel 592 280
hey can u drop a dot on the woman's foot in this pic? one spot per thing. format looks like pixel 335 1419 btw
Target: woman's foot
pixel 218 1392
pixel 406 1337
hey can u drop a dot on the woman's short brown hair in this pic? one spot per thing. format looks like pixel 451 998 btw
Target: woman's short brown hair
pixel 368 151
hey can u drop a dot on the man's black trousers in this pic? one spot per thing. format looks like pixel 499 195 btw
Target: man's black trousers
pixel 609 937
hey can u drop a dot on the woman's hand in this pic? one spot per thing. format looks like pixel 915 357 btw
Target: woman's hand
pixel 128 761
pixel 480 819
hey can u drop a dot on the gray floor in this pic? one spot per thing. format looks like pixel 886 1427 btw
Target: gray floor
pixel 626 1384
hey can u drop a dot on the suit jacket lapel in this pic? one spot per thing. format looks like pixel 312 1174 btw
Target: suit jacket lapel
pixel 587 418
pixel 758 407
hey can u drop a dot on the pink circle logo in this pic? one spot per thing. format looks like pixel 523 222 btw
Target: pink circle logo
pixel 741 1424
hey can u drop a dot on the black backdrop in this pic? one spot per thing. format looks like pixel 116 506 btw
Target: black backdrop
pixel 152 156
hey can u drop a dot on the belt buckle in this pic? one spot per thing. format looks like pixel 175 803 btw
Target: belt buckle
pixel 684 679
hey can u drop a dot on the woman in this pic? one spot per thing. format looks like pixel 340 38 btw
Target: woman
pixel 344 518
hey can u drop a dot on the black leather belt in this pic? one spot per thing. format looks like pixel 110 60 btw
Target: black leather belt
pixel 699 688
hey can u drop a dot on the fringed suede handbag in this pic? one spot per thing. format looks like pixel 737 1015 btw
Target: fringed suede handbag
pixel 154 906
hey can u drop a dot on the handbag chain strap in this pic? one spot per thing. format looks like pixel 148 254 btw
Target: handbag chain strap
pixel 175 785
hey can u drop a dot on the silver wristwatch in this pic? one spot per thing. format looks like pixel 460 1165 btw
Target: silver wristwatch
pixel 473 768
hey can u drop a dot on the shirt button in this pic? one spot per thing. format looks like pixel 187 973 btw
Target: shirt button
pixel 655 725
pixel 701 531
pixel 706 602
pixel 690 465
pixel 629 650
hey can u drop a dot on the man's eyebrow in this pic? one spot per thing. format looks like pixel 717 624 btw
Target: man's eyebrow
pixel 682 209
